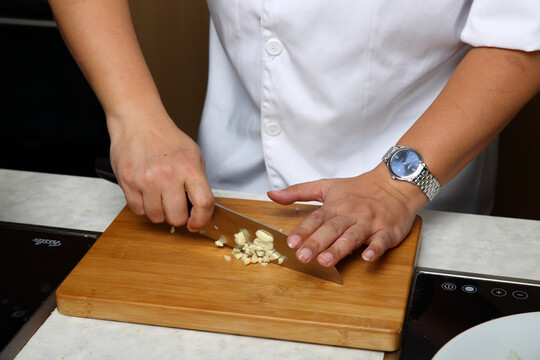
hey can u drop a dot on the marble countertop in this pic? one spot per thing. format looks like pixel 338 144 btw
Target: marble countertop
pixel 449 241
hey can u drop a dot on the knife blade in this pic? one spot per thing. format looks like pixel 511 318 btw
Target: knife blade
pixel 226 222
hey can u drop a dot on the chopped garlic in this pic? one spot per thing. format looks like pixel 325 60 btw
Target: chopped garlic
pixel 245 259
pixel 264 236
pixel 173 229
pixel 227 257
pixel 218 243
pixel 240 238
pixel 260 251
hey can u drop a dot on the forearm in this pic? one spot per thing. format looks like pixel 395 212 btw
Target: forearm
pixel 101 38
pixel 485 92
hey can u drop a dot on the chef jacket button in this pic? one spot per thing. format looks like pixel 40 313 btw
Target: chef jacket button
pixel 274 47
pixel 272 129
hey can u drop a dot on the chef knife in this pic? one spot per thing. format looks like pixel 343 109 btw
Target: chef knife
pixel 225 223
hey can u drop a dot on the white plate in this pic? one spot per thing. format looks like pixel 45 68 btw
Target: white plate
pixel 493 340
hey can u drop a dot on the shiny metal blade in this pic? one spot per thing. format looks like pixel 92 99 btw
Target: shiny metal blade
pixel 225 223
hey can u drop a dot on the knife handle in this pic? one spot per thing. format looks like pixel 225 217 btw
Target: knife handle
pixel 104 170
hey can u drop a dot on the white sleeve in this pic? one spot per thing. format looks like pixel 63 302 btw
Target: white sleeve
pixel 511 24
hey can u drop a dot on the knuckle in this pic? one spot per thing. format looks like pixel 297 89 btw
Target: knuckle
pixel 155 218
pixel 205 203
pixel 345 243
pixel 391 237
pixel 378 247
pixel 344 246
pixel 177 219
pixel 193 165
pixel 382 241
pixel 293 188
pixel 313 244
pixel 137 210
pixel 318 215
pixel 335 226
pixel 165 171
pixel 357 235
pixel 126 177
pixel 134 203
pixel 147 177
pixel 155 213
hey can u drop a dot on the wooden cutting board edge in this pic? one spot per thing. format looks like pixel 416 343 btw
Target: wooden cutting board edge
pixel 283 329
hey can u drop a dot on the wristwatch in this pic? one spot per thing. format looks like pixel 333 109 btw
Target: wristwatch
pixel 405 163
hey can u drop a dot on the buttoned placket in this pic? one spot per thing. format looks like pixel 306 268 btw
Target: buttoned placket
pixel 270 125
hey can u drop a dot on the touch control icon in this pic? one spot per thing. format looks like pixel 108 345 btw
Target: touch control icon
pixel 521 295
pixel 470 289
pixel 498 292
pixel 448 286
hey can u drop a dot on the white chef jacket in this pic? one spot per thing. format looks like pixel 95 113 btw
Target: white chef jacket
pixel 303 90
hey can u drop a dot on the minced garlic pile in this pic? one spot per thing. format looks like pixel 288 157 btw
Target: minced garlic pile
pixel 260 251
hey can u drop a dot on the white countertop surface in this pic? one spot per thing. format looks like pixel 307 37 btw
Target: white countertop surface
pixel 449 241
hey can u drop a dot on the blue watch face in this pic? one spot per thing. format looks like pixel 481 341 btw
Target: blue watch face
pixel 404 163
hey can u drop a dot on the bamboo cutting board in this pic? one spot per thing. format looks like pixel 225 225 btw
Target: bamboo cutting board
pixel 141 272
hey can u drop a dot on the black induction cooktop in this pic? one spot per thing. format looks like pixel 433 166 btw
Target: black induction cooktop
pixel 34 260
pixel 444 304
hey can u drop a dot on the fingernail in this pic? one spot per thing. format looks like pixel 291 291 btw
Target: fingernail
pixel 294 241
pixel 326 258
pixel 304 255
pixel 368 255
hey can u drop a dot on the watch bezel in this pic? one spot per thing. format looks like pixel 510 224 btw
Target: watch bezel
pixel 412 176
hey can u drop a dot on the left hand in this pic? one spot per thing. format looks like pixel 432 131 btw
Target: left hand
pixel 371 209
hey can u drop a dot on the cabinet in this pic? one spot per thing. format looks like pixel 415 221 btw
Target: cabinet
pixel 518 180
pixel 174 39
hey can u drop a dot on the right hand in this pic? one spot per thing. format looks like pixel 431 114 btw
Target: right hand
pixel 156 165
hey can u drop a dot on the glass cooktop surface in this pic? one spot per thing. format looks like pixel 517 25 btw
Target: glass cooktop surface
pixel 34 260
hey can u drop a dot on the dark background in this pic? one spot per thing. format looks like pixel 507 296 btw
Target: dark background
pixel 518 180
pixel 50 119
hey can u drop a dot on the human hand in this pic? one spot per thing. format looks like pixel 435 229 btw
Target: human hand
pixel 371 209
pixel 156 165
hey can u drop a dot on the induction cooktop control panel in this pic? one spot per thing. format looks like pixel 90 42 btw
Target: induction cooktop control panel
pixel 444 304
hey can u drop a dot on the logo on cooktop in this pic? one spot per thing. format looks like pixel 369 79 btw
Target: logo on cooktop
pixel 48 242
